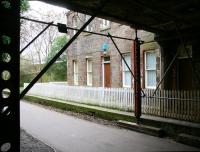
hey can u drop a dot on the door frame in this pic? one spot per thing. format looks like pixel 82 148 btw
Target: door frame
pixel 103 62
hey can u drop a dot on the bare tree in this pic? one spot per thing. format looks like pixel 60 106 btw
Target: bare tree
pixel 39 49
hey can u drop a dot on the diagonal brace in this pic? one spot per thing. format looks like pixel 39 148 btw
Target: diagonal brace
pixel 173 60
pixel 110 36
pixel 165 73
pixel 54 59
pixel 51 23
pixel 76 29
pixel 60 52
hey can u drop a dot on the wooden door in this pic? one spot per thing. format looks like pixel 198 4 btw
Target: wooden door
pixel 185 74
pixel 107 81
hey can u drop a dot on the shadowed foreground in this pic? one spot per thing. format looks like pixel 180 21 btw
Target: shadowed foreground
pixel 67 133
pixel 30 144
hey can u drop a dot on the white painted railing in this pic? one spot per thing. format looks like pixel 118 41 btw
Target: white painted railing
pixel 173 104
pixel 166 103
pixel 119 98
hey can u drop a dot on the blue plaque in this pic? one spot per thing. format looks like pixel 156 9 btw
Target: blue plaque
pixel 105 46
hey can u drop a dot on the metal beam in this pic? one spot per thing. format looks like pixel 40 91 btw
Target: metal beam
pixel 61 51
pixel 111 37
pixel 36 37
pixel 9 88
pixel 165 73
pixel 174 59
pixel 76 29
pixel 136 75
pixel 137 82
pixel 54 59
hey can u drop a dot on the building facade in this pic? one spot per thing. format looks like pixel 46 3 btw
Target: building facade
pixel 94 61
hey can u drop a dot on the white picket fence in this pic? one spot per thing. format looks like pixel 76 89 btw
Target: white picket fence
pixel 166 103
pixel 118 98
pixel 173 104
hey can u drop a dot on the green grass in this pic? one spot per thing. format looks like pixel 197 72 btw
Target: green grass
pixel 80 109
pixel 170 128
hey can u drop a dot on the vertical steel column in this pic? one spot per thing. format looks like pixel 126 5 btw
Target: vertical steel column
pixel 137 82
pixel 9 76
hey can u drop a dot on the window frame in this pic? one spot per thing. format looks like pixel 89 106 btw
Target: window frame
pixel 89 27
pixel 103 25
pixel 146 70
pixel 124 70
pixel 74 24
pixel 75 72
pixel 89 73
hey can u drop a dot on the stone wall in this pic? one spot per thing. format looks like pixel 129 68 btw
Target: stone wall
pixel 90 46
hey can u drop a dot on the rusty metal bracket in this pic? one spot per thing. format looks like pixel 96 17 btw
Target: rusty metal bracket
pixel 137 86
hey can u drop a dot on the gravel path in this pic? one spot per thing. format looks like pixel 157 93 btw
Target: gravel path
pixel 30 144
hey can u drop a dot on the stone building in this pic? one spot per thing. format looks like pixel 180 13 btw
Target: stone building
pixel 94 61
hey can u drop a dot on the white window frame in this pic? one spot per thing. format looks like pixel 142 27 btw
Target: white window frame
pixel 89 26
pixel 89 72
pixel 74 24
pixel 124 71
pixel 75 69
pixel 104 24
pixel 145 68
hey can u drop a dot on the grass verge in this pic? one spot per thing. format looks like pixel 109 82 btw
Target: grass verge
pixel 79 109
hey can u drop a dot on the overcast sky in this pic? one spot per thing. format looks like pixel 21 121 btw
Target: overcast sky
pixel 40 9
pixel 40 5
pixel 44 12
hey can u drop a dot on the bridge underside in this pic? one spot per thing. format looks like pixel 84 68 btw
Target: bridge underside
pixel 160 17
pixel 151 15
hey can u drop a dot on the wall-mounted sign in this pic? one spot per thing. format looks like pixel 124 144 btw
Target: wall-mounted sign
pixel 105 46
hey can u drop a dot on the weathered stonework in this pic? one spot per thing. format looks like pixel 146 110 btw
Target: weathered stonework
pixel 90 46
